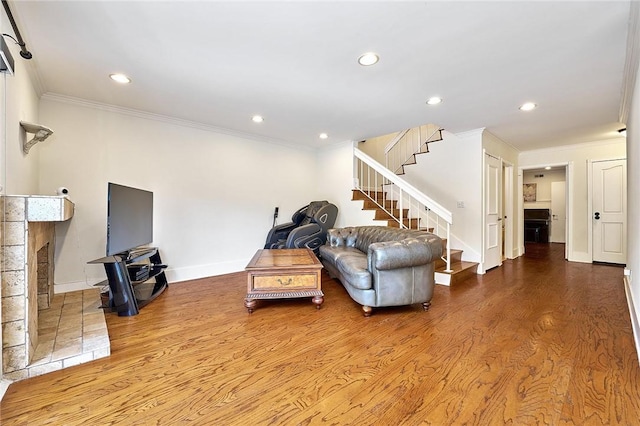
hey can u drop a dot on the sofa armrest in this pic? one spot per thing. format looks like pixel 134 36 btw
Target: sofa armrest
pixel 402 254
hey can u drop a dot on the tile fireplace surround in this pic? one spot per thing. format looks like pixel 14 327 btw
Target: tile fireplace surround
pixel 42 332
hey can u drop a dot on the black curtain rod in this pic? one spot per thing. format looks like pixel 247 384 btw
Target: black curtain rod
pixel 23 48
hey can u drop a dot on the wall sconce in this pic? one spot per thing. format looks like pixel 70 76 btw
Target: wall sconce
pixel 40 134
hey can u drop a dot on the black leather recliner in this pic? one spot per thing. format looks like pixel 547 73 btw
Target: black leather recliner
pixel 308 227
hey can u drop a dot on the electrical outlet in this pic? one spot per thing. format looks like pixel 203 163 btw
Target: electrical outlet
pixel 461 204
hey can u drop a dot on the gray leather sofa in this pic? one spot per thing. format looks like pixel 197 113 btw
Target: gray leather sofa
pixel 383 266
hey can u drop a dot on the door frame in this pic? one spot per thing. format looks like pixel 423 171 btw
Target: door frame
pixel 507 194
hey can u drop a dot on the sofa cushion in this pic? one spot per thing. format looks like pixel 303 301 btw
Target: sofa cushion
pixel 333 253
pixel 342 237
pixel 353 267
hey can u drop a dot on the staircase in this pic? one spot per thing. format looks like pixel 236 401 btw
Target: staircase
pixel 402 150
pixel 379 193
pixel 390 213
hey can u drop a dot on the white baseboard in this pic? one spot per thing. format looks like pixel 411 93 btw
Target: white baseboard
pixel 173 275
pixel 632 313
pixel 514 254
pixel 443 279
pixel 203 271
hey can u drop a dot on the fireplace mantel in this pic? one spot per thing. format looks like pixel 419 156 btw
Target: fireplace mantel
pixel 43 208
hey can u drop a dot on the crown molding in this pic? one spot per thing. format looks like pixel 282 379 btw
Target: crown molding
pixel 572 147
pixel 632 60
pixel 509 144
pixel 470 133
pixel 55 97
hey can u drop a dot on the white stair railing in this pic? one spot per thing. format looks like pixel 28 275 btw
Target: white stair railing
pixel 407 143
pixel 411 208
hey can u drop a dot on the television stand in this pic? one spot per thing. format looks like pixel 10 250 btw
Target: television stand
pixel 136 277
pixel 138 252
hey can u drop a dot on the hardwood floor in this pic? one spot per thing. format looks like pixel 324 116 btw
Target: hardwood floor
pixel 536 341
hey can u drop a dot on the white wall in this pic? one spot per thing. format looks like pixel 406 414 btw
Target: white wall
pixel 335 182
pixel 633 206
pixel 20 170
pixel 577 157
pixel 543 186
pixel 375 147
pixel 214 193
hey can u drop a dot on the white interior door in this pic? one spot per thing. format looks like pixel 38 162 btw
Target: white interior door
pixel 493 213
pixel 609 211
pixel 558 212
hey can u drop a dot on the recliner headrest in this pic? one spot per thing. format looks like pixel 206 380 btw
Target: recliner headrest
pixel 314 206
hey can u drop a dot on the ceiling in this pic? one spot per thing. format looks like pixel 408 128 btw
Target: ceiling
pixel 295 63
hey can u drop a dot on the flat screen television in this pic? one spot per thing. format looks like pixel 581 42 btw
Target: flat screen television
pixel 129 218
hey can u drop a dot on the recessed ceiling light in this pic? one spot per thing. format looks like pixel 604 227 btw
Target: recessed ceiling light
pixel 548 168
pixel 323 136
pixel 434 100
pixel 257 119
pixel 368 58
pixel 528 106
pixel 120 78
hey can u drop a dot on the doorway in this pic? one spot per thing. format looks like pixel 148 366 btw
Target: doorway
pixel 545 197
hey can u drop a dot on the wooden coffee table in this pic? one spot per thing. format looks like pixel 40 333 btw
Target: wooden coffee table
pixel 282 274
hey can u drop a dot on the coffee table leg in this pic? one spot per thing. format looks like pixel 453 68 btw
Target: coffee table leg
pixel 250 304
pixel 317 300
